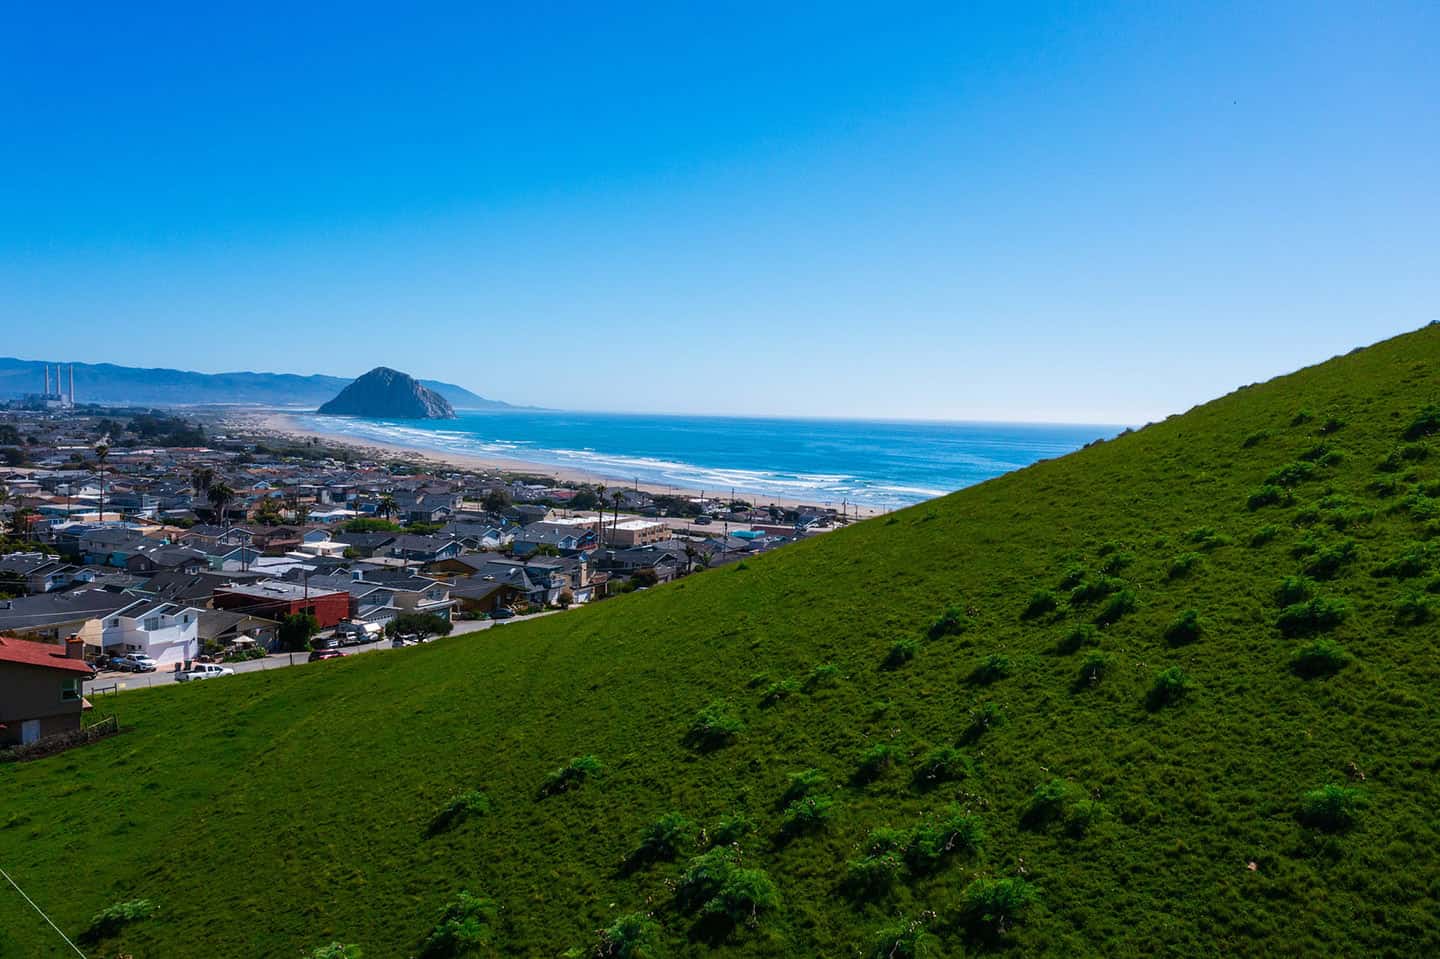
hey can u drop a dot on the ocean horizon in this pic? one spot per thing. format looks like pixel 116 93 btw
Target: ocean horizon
pixel 876 463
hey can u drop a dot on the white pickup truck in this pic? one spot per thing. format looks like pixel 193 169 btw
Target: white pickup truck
pixel 203 671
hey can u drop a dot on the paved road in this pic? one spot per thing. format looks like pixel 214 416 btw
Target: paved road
pixel 114 681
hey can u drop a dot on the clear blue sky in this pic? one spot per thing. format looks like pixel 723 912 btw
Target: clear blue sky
pixel 1069 212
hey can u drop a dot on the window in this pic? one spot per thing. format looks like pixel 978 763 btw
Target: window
pixel 152 623
pixel 69 690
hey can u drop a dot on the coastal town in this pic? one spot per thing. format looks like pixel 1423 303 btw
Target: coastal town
pixel 142 547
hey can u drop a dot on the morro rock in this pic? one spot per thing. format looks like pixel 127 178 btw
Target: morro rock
pixel 388 394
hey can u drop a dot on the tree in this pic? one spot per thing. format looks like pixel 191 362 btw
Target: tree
pixel 102 451
pixel 420 625
pixel 600 489
pixel 296 630
pixel 616 498
pixel 497 500
pixel 387 506
pixel 220 496
pixel 584 499
pixel 201 479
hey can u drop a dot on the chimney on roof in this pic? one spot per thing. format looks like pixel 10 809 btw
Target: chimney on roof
pixel 75 647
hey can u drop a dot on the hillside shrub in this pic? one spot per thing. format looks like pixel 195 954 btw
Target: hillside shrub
pixel 1083 816
pixel 1301 417
pixel 1412 562
pixel 1207 538
pixel 990 908
pixel 942 764
pixel 872 876
pixel 1170 687
pixel 1293 589
pixel 1073 576
pixel 704 876
pixel 1320 657
pixel 1078 636
pixel 808 814
pixel 802 784
pixel 465 925
pixel 1093 669
pixel 1319 615
pixel 983 718
pixel 1413 610
pixel 663 840
pixel 1117 562
pixel 1091 590
pixel 571 775
pixel 901 652
pixel 1042 601
pixel 1115 608
pixel 903 939
pixel 744 897
pixel 715 726
pixel 1185 628
pixel 1264 534
pixel 955 832
pixel 1326 563
pixel 335 950
pixel 875 762
pixel 778 691
pixel 991 669
pixel 110 920
pixel 1046 803
pixel 1426 423
pixel 731 829
pixel 1332 424
pixel 952 621
pixel 1331 807
pixel 825 674
pixel 1254 439
pixel 1184 565
pixel 1290 475
pixel 460 808
pixel 631 936
pixel 1268 495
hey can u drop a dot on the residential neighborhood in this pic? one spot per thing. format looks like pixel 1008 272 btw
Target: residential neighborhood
pixel 124 554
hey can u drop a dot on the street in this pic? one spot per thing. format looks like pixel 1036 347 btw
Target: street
pixel 112 681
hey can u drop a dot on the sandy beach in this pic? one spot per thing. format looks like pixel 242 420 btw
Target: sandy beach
pixel 279 425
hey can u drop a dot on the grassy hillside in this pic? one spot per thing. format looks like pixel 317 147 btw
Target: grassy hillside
pixel 1028 738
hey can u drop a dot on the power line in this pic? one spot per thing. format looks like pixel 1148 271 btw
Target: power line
pixel 42 914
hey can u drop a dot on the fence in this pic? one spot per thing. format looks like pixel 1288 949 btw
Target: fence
pixel 50 745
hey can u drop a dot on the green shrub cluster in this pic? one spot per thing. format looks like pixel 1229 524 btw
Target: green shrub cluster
pixel 809 813
pixel 1117 607
pixel 714 726
pixel 875 762
pixel 1170 687
pixel 991 669
pixel 901 653
pixel 460 808
pixel 990 908
pixel 663 839
pixel 1078 636
pixel 1185 628
pixel 571 775
pixel 1042 601
pixel 1318 615
pixel 632 936
pixel 466 924
pixel 1320 657
pixel 110 920
pixel 715 884
pixel 952 621
pixel 943 764
pixel 1331 807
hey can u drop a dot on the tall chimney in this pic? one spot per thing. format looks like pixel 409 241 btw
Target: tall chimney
pixel 72 384
pixel 47 380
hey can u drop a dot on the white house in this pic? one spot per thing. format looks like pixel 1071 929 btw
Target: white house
pixel 166 632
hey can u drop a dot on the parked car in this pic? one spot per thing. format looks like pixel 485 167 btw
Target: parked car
pixel 503 613
pixel 702 521
pixel 203 671
pixel 320 654
pixel 135 663
pixel 403 640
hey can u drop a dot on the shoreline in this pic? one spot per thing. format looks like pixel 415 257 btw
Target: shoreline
pixel 276 424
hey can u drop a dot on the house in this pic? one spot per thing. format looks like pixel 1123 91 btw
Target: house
pixel 34 573
pixel 166 632
pixel 424 549
pixel 156 559
pixel 53 616
pixel 657 565
pixel 413 594
pixel 110 545
pixel 366 545
pixel 220 628
pixel 275 599
pixel 636 532
pixel 565 539
pixel 40 689
pixel 545 579
pixel 481 594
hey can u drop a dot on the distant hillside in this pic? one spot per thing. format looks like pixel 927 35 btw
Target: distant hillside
pixel 107 383
pixel 1174 694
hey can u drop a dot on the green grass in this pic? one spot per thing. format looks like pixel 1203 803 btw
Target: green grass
pixel 276 812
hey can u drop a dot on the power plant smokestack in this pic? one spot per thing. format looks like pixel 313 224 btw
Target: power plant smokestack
pixel 47 380
pixel 72 384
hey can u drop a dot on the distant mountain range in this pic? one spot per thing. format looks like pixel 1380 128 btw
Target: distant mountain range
pixel 132 386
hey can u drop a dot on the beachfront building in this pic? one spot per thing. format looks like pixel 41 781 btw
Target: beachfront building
pixel 636 532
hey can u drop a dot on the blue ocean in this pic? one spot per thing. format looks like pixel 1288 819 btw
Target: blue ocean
pixel 872 463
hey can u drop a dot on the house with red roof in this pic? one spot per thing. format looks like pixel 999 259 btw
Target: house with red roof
pixel 41 691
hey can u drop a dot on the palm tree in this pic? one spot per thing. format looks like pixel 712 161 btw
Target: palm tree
pixel 600 499
pixel 102 450
pixel 690 553
pixel 201 479
pixel 387 506
pixel 617 498
pixel 220 496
